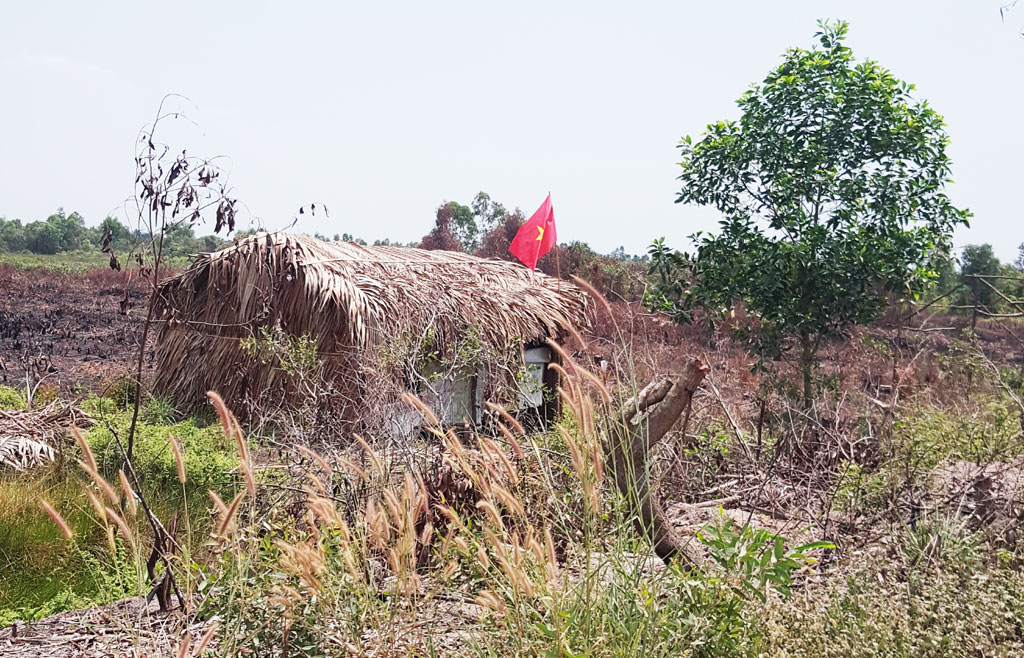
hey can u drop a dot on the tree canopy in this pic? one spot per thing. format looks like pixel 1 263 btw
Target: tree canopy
pixel 832 190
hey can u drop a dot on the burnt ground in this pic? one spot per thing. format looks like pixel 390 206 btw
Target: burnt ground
pixel 77 331
pixel 69 331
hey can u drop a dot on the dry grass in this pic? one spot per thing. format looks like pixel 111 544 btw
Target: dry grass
pixel 515 544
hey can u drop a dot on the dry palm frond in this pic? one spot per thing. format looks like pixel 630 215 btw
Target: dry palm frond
pixel 351 299
pixel 21 453
pixel 27 436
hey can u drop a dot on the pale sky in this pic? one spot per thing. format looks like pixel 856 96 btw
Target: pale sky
pixel 383 110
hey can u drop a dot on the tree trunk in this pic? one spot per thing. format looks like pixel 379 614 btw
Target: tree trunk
pixel 807 367
pixel 663 401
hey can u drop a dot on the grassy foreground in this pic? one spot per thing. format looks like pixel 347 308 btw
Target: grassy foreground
pixel 40 572
pixel 516 544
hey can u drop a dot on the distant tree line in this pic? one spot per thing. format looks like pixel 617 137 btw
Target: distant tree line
pixel 486 228
pixel 979 280
pixel 64 232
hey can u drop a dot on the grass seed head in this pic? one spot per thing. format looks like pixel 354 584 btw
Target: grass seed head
pixel 229 514
pixel 206 639
pixel 372 454
pixel 101 512
pixel 126 491
pixel 179 460
pixel 87 455
pixel 104 486
pixel 57 518
pixel 183 645
pixel 419 405
pixel 121 525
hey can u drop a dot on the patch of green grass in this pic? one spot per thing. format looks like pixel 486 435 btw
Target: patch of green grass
pixel 42 573
pixel 953 603
pixel 75 262
pixel 989 432
pixel 208 455
pixel 72 262
pixel 924 437
pixel 11 399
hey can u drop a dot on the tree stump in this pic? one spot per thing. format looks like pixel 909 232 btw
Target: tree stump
pixel 640 424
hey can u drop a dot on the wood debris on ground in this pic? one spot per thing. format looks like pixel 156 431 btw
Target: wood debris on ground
pixel 126 628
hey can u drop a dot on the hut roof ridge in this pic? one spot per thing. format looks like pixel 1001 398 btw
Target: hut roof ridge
pixel 372 292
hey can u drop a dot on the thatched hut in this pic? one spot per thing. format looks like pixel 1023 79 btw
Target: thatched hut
pixel 286 318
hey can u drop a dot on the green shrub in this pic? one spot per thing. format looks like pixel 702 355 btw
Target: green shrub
pixel 935 612
pixel 942 541
pixel 120 390
pixel 208 455
pixel 159 411
pixel 923 438
pixel 859 490
pixel 991 431
pixel 755 559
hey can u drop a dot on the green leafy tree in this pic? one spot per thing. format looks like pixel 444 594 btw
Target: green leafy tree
pixel 489 213
pixel 179 240
pixel 831 186
pixel 989 285
pixel 455 229
pixel 43 237
pixel 120 236
pixel 209 243
pixel 12 235
pixel 947 278
pixel 980 260
pixel 74 235
pixel 348 237
pixel 464 226
pixel 498 225
pixel 60 232
pixel 667 270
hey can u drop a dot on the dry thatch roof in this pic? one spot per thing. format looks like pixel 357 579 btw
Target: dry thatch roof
pixel 349 298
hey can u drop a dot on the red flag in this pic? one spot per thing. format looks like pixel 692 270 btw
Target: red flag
pixel 536 237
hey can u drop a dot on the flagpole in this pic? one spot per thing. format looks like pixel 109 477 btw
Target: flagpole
pixel 558 266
